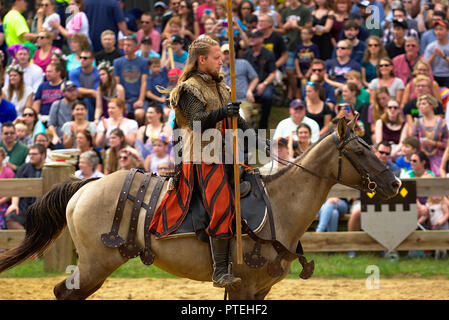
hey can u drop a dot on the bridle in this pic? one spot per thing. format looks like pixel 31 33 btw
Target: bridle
pixel 367 180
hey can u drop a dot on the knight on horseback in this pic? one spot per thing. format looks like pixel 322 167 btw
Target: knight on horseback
pixel 202 97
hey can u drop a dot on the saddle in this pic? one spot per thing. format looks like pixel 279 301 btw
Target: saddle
pixel 256 211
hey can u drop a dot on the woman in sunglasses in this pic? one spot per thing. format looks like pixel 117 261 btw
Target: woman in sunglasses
pixel 386 78
pixel 31 120
pixel 421 68
pixel 129 158
pixel 391 127
pixel 373 53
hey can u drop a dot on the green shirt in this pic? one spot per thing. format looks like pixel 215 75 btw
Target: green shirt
pixel 303 15
pixel 17 155
pixel 14 25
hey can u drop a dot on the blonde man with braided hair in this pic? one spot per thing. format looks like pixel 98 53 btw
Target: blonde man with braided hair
pixel 202 97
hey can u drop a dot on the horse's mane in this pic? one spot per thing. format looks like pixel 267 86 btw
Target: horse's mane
pixel 281 172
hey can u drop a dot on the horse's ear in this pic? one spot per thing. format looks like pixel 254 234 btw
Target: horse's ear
pixel 341 128
pixel 353 122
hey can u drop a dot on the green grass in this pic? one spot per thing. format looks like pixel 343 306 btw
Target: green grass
pixel 331 267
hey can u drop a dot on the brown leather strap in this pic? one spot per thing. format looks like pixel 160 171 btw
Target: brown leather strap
pixel 112 239
pixel 267 203
pixel 274 267
pixel 130 249
pixel 147 255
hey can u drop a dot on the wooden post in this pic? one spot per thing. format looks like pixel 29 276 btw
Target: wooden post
pixel 62 252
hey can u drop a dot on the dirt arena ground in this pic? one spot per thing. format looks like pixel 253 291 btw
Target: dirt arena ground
pixel 183 289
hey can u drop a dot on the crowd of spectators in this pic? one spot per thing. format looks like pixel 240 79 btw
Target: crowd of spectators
pixel 92 76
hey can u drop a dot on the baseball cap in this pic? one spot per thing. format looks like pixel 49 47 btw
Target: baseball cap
pixel 68 85
pixel 441 23
pixel 160 4
pixel 363 3
pixel 400 23
pixel 177 39
pixel 225 47
pixel 255 34
pixel 282 141
pixel 297 104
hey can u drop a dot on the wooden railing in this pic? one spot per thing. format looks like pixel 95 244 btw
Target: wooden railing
pixel 62 253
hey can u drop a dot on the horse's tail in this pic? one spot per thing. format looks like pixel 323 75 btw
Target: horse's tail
pixel 45 219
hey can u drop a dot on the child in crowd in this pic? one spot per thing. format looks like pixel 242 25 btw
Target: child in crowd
pixel 410 145
pixel 21 131
pixel 160 154
pixel 305 53
pixel 158 78
pixel 146 49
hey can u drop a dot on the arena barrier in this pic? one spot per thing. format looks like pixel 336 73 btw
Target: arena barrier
pixel 62 253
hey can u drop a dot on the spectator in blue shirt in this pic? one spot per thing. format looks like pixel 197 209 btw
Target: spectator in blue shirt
pixel 87 80
pixel 338 67
pixel 131 72
pixel 158 78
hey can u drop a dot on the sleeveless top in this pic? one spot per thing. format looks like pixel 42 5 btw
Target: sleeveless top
pixel 145 136
pixel 391 135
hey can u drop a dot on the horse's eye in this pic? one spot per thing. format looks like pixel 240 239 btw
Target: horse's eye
pixel 359 152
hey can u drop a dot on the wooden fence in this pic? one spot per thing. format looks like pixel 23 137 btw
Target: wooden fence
pixel 62 253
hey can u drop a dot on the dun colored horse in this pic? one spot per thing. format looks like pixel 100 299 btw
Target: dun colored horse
pixel 296 193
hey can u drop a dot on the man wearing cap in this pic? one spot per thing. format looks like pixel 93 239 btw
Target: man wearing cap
pixel 437 53
pixel 399 13
pixel 146 49
pixel 158 13
pixel 61 112
pixel 297 115
pixel 245 78
pixel 397 46
pixel 264 63
pixel 429 35
pixel 147 30
pixel 279 148
pixel 87 79
pixel 174 8
pixel 131 72
pixel 360 5
pixel 15 27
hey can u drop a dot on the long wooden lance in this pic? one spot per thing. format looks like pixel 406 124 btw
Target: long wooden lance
pixel 238 225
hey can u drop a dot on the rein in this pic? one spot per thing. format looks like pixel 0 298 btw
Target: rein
pixel 368 184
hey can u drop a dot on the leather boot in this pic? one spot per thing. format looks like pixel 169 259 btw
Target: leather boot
pixel 221 277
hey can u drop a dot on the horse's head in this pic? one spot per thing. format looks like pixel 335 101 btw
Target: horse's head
pixel 370 175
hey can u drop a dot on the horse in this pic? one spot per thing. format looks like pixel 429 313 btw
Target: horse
pixel 296 193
